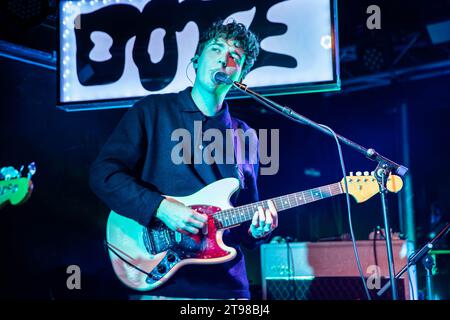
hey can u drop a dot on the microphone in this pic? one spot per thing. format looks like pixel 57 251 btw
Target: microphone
pixel 221 77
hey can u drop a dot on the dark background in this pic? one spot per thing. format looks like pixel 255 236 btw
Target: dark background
pixel 63 223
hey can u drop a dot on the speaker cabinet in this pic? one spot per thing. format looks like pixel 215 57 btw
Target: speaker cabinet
pixel 328 270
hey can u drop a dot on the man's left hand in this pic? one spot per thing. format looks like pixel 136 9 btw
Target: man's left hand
pixel 264 221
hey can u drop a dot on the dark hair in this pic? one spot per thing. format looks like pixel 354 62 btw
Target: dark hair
pixel 248 41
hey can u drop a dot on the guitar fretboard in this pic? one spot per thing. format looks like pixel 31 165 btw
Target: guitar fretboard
pixel 235 216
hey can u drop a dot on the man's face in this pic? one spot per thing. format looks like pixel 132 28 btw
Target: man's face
pixel 219 55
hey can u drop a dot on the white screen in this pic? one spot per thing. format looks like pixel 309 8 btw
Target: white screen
pixel 308 41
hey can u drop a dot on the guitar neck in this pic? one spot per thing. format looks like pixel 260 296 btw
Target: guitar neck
pixel 235 216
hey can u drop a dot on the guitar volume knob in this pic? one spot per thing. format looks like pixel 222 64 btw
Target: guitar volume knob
pixel 161 268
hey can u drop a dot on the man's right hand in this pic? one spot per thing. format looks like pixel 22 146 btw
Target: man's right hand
pixel 180 218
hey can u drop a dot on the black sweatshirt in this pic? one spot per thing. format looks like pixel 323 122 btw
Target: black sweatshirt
pixel 134 169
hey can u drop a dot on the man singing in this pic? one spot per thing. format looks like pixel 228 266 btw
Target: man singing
pixel 135 169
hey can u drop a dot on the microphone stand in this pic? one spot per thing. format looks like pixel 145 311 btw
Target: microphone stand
pixel 384 168
pixel 423 255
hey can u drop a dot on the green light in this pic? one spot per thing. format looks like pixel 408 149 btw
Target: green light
pixel 434 252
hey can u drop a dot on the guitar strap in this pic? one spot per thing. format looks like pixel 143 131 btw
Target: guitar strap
pixel 109 247
pixel 239 155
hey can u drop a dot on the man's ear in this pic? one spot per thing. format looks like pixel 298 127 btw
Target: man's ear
pixel 194 61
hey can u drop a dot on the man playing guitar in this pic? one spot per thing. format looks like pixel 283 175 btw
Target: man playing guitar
pixel 135 168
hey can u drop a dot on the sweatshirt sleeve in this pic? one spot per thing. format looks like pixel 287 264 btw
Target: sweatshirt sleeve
pixel 114 175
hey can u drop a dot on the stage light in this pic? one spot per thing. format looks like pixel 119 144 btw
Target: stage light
pixel 439 32
pixel 326 42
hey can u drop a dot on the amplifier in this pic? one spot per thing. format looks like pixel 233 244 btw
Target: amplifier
pixel 328 270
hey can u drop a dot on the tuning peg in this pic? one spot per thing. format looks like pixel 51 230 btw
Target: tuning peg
pixel 31 169
pixel 358 173
pixel 366 173
pixel 351 173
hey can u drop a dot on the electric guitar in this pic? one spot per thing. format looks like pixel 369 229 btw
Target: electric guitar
pixel 143 258
pixel 14 188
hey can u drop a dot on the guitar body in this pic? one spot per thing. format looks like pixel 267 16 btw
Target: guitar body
pixel 159 251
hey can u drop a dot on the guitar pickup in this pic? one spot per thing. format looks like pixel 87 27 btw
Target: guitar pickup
pixel 156 241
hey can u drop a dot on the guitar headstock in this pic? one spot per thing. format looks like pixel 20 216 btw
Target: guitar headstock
pixel 363 186
pixel 13 187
